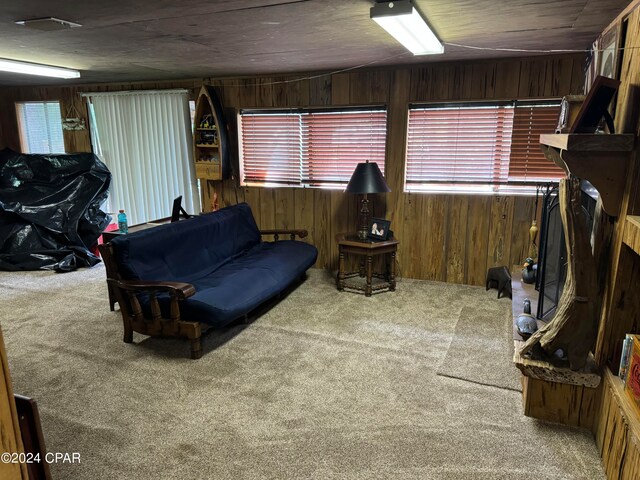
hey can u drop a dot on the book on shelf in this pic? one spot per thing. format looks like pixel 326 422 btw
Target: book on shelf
pixel 632 383
pixel 624 357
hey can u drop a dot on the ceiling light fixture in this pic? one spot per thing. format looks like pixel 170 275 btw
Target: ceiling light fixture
pixel 48 24
pixel 402 21
pixel 27 68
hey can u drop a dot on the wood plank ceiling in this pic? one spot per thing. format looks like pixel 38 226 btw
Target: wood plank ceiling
pixel 124 41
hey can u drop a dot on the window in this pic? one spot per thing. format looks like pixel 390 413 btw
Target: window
pixel 148 150
pixel 40 125
pixel 479 148
pixel 318 148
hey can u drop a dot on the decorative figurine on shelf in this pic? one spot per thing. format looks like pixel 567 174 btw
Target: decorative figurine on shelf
pixel 529 271
pixel 500 278
pixel 526 323
pixel 207 121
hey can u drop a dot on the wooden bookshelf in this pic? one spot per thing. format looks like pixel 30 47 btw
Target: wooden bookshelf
pixel 617 430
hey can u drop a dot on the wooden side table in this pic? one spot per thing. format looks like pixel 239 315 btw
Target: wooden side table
pixel 349 243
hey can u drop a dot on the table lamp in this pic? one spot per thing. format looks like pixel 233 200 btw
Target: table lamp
pixel 366 178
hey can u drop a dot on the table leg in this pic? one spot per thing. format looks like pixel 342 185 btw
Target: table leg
pixel 341 271
pixel 368 290
pixel 392 273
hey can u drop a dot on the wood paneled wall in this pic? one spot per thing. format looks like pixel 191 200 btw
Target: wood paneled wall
pixel 452 238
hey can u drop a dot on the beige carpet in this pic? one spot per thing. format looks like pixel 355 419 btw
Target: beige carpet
pixel 326 385
pixel 482 346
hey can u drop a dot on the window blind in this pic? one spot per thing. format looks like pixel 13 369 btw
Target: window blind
pixel 527 162
pixel 40 127
pixel 310 147
pixel 479 148
pixel 458 145
pixel 271 148
pixel 335 142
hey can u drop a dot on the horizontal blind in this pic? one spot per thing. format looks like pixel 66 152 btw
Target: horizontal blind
pixel 527 163
pixel 333 143
pixel 310 147
pixel 464 144
pixel 271 144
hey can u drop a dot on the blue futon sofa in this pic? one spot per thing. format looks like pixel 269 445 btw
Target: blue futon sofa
pixel 207 271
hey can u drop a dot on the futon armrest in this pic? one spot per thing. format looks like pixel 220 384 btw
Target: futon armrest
pixel 180 289
pixel 292 233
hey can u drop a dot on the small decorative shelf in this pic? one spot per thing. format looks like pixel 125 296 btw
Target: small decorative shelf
pixel 631 233
pixel 601 159
pixel 210 139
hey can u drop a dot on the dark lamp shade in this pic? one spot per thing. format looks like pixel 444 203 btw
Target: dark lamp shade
pixel 367 178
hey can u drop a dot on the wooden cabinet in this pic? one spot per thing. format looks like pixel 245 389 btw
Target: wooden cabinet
pixel 210 137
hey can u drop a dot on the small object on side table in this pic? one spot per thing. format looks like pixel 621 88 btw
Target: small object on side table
pixel 500 278
pixel 123 226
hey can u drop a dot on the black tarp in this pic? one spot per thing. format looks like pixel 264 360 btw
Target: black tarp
pixel 50 213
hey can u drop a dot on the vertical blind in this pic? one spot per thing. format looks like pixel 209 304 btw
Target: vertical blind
pixel 479 148
pixel 144 137
pixel 40 127
pixel 310 148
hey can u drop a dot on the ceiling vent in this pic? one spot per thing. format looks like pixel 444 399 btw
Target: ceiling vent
pixel 48 24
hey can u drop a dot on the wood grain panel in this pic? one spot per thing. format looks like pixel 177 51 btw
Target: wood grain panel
pixel 617 431
pixel 508 79
pixel 252 197
pixel 432 226
pixel 267 209
pixel 304 214
pixel 500 234
pixel 285 207
pixel 456 246
pixel 320 90
pixel 340 88
pixel 478 239
pixel 560 403
pixel 323 239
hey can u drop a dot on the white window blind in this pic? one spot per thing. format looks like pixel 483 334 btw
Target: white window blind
pixel 40 126
pixel 145 139
pixel 479 148
pixel 310 148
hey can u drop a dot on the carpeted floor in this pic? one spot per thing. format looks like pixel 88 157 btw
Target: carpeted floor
pixel 483 339
pixel 325 385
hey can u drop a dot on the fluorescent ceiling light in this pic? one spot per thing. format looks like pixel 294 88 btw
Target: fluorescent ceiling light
pixel 402 21
pixel 48 24
pixel 16 66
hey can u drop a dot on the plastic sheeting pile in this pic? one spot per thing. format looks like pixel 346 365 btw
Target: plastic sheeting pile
pixel 50 215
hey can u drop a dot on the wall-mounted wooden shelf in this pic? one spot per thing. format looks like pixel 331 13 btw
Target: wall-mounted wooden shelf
pixel 212 160
pixel 599 158
pixel 631 233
